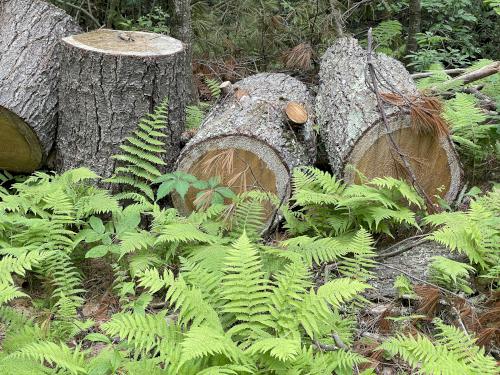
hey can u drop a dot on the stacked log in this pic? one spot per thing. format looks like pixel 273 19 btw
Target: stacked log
pixel 30 31
pixel 356 138
pixel 254 137
pixel 109 80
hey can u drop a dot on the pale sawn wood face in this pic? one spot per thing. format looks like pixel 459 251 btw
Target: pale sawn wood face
pixel 20 150
pixel 427 157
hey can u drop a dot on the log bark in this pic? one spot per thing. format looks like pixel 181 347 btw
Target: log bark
pixel 109 80
pixel 30 31
pixel 247 140
pixel 354 134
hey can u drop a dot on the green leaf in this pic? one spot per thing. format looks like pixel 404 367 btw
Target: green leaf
pixel 165 188
pixel 97 224
pixel 182 188
pixel 97 252
pixel 98 337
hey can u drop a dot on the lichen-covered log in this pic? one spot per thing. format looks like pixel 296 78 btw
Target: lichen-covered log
pixel 354 134
pixel 30 31
pixel 247 139
pixel 109 80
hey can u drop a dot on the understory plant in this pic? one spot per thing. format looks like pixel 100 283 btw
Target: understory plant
pixel 208 292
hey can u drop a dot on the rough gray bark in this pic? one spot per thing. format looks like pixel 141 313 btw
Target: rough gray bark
pixel 252 118
pixel 30 31
pixel 181 28
pixel 108 81
pixel 347 112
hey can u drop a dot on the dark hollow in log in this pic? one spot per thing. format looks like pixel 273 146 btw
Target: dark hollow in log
pixel 109 80
pixel 354 134
pixel 30 31
pixel 247 141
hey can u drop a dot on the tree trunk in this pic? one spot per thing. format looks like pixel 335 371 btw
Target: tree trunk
pixel 355 135
pixel 413 26
pixel 30 31
pixel 248 141
pixel 109 80
pixel 180 28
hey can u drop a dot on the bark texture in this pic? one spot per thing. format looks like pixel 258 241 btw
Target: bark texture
pixel 30 31
pixel 108 81
pixel 354 134
pixel 251 118
pixel 181 28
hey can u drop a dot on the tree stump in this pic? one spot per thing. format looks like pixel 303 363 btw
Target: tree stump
pixel 109 80
pixel 355 135
pixel 30 31
pixel 248 141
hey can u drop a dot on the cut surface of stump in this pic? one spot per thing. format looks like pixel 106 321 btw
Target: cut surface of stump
pixel 21 150
pixel 355 136
pixel 296 113
pixel 30 31
pixel 109 80
pixel 247 142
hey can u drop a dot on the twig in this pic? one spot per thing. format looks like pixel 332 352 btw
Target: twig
pixel 84 11
pixel 406 165
pixel 459 318
pixel 450 72
pixel 400 249
pixel 339 344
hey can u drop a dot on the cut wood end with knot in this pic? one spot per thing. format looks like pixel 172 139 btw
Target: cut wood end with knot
pixel 296 113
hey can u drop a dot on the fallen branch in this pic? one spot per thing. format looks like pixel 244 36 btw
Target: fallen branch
pixel 475 75
pixel 402 247
pixel 450 72
pixel 339 344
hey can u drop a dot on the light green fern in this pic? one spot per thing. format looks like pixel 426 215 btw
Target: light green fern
pixel 140 158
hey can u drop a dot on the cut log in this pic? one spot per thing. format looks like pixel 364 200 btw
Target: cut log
pixel 30 31
pixel 246 140
pixel 296 113
pixel 354 134
pixel 109 80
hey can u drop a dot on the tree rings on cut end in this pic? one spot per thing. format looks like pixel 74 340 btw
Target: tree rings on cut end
pixel 296 113
pixel 240 163
pixel 432 159
pixel 21 150
pixel 130 43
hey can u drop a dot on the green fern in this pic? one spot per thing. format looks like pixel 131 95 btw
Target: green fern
pixel 473 233
pixel 329 207
pixel 214 86
pixel 59 356
pixel 450 274
pixel 140 159
pixel 454 352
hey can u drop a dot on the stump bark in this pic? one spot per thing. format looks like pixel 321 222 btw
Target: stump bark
pixel 109 80
pixel 248 141
pixel 354 134
pixel 30 31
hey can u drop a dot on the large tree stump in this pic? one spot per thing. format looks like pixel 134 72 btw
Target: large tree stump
pixel 30 31
pixel 249 141
pixel 109 80
pixel 355 135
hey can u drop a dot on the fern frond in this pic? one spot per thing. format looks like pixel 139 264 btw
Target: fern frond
pixel 244 287
pixel 59 356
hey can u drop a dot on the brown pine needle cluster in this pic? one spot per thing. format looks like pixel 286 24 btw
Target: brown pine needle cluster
pixel 299 57
pixel 425 112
